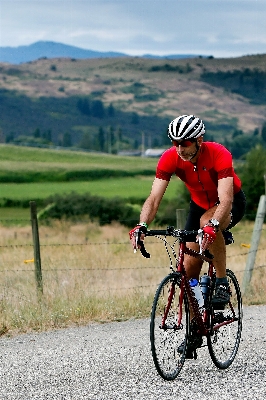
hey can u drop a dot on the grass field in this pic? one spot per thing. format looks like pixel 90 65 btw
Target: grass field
pixel 15 158
pixel 23 160
pixel 138 187
pixel 90 273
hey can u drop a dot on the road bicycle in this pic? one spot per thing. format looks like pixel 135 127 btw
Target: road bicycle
pixel 174 300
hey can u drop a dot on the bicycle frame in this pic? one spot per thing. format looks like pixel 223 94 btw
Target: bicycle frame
pixel 174 335
pixel 202 318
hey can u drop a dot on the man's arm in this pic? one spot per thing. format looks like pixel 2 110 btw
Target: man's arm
pixel 221 213
pixel 148 212
pixel 226 194
pixel 152 203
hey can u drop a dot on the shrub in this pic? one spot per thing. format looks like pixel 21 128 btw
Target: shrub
pixel 252 176
pixel 97 208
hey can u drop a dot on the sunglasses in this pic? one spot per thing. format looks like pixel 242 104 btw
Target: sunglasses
pixel 183 143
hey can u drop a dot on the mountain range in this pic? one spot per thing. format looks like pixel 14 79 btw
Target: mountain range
pixel 44 49
pixel 131 100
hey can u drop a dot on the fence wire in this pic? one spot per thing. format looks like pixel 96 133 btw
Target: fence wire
pixel 135 263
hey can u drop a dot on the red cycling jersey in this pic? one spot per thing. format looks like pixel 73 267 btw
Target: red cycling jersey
pixel 214 163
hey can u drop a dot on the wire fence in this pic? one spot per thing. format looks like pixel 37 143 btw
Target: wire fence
pixel 81 263
pixel 90 273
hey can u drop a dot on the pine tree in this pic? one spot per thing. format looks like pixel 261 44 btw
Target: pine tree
pixel 263 132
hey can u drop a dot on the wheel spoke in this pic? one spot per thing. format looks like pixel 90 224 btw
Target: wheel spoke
pixel 224 340
pixel 169 324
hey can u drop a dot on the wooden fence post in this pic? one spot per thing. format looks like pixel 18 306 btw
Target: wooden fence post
pixel 254 243
pixel 36 247
pixel 180 218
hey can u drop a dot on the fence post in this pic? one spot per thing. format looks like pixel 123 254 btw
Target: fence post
pixel 254 243
pixel 180 218
pixel 36 247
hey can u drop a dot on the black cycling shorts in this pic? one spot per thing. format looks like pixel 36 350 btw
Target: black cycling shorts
pixel 237 212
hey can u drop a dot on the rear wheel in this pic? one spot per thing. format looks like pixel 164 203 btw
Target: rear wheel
pixel 169 326
pixel 226 327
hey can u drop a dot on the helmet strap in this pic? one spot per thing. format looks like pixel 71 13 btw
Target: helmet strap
pixel 196 152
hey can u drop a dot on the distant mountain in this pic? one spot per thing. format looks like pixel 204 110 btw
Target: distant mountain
pixel 42 49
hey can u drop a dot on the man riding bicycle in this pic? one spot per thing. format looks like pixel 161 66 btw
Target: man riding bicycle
pixel 217 201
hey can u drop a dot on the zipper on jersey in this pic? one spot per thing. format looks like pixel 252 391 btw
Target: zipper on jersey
pixel 197 170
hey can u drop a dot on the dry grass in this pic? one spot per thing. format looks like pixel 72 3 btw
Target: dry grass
pixel 91 274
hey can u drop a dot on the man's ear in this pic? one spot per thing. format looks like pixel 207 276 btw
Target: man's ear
pixel 200 140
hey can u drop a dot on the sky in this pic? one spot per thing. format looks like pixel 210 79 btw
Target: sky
pixel 222 28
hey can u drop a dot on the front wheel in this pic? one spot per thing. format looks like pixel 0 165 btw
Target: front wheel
pixel 169 326
pixel 226 326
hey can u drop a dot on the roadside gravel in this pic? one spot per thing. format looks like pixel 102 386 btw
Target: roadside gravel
pixel 113 361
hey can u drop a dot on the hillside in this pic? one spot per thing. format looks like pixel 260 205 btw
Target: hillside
pixel 119 101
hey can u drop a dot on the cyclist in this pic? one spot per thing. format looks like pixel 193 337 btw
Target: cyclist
pixel 217 200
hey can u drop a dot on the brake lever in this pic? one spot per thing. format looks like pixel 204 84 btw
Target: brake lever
pixel 136 242
pixel 140 243
pixel 143 250
pixel 200 237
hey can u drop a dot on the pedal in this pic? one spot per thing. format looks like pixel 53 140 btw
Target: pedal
pixel 189 355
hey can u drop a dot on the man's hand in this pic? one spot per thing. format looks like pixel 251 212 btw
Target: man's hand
pixel 209 236
pixel 136 235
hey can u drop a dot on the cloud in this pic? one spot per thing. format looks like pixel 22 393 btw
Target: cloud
pixel 227 27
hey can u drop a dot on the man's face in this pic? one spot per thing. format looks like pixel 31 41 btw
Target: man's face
pixel 186 149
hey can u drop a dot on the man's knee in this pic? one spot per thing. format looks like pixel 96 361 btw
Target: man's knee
pixel 205 218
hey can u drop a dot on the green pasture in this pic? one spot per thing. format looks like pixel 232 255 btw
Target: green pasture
pixel 15 216
pixel 137 187
pixel 19 158
pixel 32 174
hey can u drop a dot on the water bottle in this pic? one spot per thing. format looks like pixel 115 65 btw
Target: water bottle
pixel 197 291
pixel 205 284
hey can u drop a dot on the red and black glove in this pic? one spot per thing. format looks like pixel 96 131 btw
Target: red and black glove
pixel 136 235
pixel 209 236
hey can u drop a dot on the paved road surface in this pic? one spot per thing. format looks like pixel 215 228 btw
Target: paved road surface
pixel 113 361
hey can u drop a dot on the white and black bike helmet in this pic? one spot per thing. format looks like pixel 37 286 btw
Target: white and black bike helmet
pixel 186 127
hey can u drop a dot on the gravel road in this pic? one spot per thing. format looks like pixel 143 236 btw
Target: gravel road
pixel 113 361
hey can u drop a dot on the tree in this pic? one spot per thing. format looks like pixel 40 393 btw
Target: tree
pixel 48 135
pixel 112 136
pixel 263 132
pixel 120 134
pixel 86 142
pixel 83 105
pixel 135 118
pixel 256 132
pixel 111 110
pixel 97 109
pixel 67 141
pixel 101 139
pixel 2 136
pixel 37 133
pixel 252 176
pixel 237 132
pixel 241 145
pixel 10 137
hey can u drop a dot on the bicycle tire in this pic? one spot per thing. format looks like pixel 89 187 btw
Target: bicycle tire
pixel 165 341
pixel 223 343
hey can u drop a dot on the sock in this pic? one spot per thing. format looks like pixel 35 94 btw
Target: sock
pixel 222 281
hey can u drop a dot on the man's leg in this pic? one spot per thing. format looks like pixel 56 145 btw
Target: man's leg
pixel 218 249
pixel 192 265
